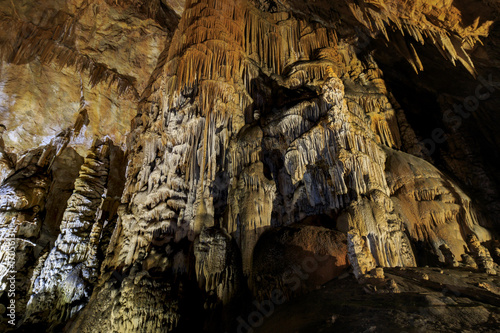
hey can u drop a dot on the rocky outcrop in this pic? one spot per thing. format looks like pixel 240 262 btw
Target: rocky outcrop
pixel 434 210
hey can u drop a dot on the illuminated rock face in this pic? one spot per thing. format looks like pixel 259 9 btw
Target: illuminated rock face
pixel 62 283
pixel 267 155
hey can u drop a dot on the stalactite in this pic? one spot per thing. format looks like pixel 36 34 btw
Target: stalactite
pixel 422 23
pixel 296 120
pixel 251 194
pixel 250 208
pixel 354 160
pixel 382 117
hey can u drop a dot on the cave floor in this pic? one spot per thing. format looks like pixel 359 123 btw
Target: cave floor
pixel 429 300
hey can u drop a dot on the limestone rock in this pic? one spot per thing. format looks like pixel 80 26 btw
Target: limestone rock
pixel 55 51
pixel 449 257
pixel 244 153
pixel 360 256
pixel 434 210
pixel 63 285
pixel 297 259
pixel 468 261
pixel 482 255
pixel 218 267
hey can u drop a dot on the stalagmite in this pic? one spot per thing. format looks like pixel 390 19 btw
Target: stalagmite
pixel 63 284
pixel 482 255
pixel 359 254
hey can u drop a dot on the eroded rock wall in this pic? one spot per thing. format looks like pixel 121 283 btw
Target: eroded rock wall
pixel 265 140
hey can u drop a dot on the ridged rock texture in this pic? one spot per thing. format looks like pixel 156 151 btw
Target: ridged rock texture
pixel 188 166
pixel 60 286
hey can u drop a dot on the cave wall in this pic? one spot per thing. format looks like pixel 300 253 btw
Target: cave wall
pixel 163 161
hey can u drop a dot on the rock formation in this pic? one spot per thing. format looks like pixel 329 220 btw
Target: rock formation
pixel 174 165
pixel 62 286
